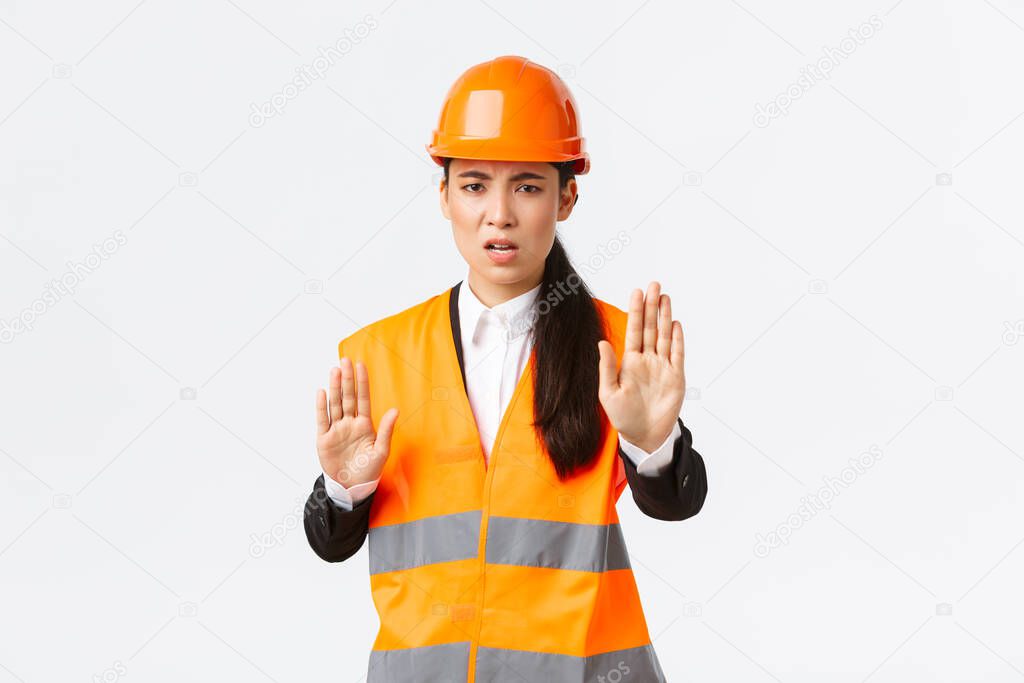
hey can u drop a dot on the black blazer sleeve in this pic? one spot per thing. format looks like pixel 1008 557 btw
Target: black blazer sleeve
pixel 335 534
pixel 679 491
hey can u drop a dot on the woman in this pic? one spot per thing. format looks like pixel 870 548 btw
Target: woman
pixel 526 406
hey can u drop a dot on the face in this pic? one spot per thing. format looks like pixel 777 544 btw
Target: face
pixel 514 204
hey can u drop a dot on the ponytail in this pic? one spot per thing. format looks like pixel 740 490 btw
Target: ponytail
pixel 567 414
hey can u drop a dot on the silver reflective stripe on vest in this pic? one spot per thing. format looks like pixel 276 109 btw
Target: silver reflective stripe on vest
pixel 560 545
pixel 496 665
pixel 448 663
pixel 443 538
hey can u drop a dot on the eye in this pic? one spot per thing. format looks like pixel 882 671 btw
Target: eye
pixel 466 187
pixel 533 190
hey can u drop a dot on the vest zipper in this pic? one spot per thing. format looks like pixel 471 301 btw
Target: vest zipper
pixel 482 560
pixel 486 513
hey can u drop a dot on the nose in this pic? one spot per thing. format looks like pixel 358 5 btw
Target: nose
pixel 500 213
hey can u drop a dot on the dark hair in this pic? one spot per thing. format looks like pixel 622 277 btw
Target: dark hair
pixel 567 327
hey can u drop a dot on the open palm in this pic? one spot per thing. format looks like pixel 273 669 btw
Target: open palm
pixel 350 450
pixel 643 398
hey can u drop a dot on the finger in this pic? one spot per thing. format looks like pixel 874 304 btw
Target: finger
pixel 335 386
pixel 634 320
pixel 607 368
pixel 677 345
pixel 323 422
pixel 363 389
pixel 665 327
pixel 348 389
pixel 384 431
pixel 651 317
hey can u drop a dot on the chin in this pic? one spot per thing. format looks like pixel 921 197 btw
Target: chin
pixel 505 275
pixel 499 275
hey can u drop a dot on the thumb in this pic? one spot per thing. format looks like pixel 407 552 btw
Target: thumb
pixel 607 368
pixel 384 431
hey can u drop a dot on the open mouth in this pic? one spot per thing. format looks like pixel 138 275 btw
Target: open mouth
pixel 500 246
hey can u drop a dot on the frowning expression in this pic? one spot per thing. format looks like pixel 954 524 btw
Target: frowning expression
pixel 503 215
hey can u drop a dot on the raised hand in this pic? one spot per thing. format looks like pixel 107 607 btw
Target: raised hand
pixel 350 451
pixel 644 397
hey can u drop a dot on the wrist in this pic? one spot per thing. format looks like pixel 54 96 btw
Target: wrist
pixel 648 443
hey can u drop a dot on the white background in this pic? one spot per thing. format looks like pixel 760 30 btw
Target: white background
pixel 837 292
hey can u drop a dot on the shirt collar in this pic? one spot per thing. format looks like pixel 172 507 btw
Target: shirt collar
pixel 514 314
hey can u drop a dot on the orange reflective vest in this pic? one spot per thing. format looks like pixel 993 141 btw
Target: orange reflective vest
pixel 490 572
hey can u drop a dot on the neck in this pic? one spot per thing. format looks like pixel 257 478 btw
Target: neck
pixel 493 293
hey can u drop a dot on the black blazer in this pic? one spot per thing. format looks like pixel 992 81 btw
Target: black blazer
pixel 677 493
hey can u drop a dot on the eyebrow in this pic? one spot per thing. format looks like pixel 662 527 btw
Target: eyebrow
pixel 525 175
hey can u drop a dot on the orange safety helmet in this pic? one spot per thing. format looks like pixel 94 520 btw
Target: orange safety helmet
pixel 510 109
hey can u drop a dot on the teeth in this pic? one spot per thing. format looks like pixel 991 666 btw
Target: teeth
pixel 499 247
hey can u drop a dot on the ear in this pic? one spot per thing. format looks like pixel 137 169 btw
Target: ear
pixel 444 200
pixel 567 199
